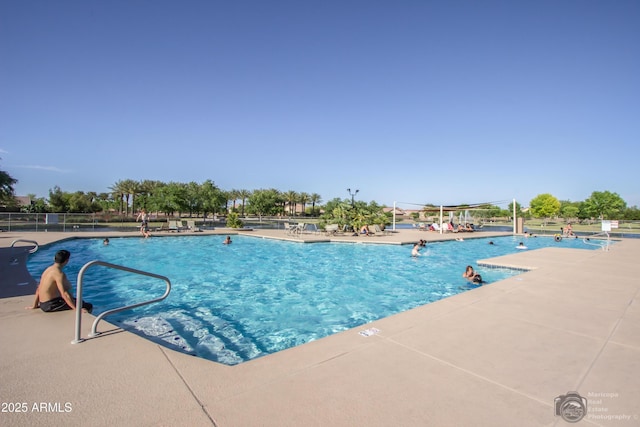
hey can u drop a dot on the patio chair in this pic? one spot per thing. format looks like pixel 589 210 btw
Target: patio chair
pixel 377 231
pixel 191 225
pixel 331 229
pixel 311 228
pixel 289 228
pixel 163 227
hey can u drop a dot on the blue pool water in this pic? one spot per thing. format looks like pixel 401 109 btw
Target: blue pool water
pixel 233 303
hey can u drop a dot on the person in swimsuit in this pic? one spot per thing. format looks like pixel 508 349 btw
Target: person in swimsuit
pixel 471 275
pixel 415 252
pixel 144 227
pixel 54 291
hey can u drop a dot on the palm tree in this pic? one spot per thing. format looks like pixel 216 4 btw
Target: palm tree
pixel 315 198
pixel 303 198
pixel 117 190
pixel 130 188
pixel 244 195
pixel 291 197
pixel 147 188
pixel 234 195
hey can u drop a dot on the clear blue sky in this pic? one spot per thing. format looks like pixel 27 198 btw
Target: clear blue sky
pixel 440 102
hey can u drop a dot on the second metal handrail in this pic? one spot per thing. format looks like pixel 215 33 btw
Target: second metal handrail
pixel 26 241
pixel 604 247
pixel 94 327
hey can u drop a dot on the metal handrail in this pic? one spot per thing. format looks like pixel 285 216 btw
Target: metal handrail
pixel 26 241
pixel 94 327
pixel 603 233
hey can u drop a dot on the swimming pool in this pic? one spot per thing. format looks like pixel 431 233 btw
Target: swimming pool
pixel 233 303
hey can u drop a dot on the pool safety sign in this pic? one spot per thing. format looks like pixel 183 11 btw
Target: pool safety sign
pixel 607 224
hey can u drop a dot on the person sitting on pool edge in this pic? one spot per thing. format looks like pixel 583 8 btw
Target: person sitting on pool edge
pixel 364 230
pixel 471 275
pixel 54 291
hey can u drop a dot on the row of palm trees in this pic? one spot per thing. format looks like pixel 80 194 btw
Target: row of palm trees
pixel 125 193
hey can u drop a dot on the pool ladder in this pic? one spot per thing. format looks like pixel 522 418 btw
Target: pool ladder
pixel 604 246
pixel 94 327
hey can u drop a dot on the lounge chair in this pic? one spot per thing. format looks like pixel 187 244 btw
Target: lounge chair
pixel 331 229
pixel 290 229
pixel 163 227
pixel 378 231
pixel 191 225
pixel 176 226
pixel 311 228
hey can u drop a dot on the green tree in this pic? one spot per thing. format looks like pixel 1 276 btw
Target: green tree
pixel 544 206
pixel 604 205
pixel 58 201
pixel 146 190
pixel 168 198
pixel 518 209
pixel 632 214
pixel 213 199
pixel 569 209
pixel 6 187
pixel 263 202
pixel 79 202
pixel 233 221
pixel 193 198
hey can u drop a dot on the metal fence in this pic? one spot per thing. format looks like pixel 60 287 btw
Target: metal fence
pixel 76 222
pixel 44 222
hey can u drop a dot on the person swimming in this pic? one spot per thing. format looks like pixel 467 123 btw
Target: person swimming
pixel 471 275
pixel 415 252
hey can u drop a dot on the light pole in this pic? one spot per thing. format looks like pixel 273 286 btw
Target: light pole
pixel 353 195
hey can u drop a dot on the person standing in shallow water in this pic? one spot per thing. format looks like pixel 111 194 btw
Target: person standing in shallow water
pixel 415 252
pixel 54 290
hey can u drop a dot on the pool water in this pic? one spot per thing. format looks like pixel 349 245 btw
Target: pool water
pixel 233 303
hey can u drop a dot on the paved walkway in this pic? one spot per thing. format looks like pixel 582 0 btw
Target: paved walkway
pixel 495 356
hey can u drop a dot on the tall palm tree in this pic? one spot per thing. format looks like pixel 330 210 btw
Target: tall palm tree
pixel 130 188
pixel 118 190
pixel 244 195
pixel 234 195
pixel 315 198
pixel 291 197
pixel 304 198
pixel 147 188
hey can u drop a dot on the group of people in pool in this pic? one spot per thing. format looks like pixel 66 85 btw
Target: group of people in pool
pixel 469 274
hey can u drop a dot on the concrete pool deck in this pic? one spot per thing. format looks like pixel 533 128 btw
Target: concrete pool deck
pixel 495 356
